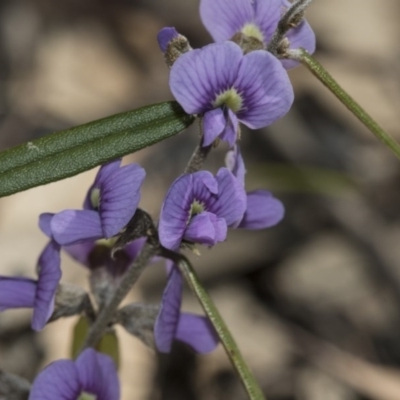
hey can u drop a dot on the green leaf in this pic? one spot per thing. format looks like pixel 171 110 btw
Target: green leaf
pixel 67 153
pixel 108 344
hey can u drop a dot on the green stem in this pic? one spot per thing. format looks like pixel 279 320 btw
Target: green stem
pixel 231 348
pixel 319 71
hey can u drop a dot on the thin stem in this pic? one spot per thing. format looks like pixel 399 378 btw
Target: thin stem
pixel 292 18
pixel 249 382
pixel 108 312
pixel 197 160
pixel 319 71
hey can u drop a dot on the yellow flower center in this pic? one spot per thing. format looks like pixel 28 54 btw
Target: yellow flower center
pixel 87 396
pixel 95 198
pixel 253 30
pixel 230 98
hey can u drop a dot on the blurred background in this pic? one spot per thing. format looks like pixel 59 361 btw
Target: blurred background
pixel 314 303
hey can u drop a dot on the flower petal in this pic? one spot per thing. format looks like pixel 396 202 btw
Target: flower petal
pixel 197 332
pixel 267 14
pixel 197 77
pixel 263 210
pixel 224 18
pixel 230 133
pixel 98 375
pixel 49 278
pixel 167 320
pixel 175 212
pixel 72 226
pixel 81 251
pixel 266 89
pixel 58 381
pixel 206 228
pixel 44 224
pixel 119 198
pixel 17 292
pixel 235 164
pixel 231 201
pixel 214 123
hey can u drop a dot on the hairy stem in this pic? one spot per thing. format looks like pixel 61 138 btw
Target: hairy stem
pixel 292 18
pixel 320 72
pixel 108 312
pixel 249 382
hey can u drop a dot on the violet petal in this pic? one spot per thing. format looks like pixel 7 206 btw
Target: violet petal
pixel 197 332
pixel 17 292
pixel 59 380
pixel 263 210
pixel 164 37
pixel 72 226
pixel 235 164
pixel 49 272
pixel 167 320
pixel 214 122
pixel 206 228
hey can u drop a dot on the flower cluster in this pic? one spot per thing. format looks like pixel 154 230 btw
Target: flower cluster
pixel 224 85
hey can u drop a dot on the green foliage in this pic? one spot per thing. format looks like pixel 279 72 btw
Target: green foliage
pixel 69 152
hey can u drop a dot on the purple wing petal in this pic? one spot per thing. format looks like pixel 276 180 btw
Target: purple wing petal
pixel 214 123
pixel 231 201
pixel 267 14
pixel 230 133
pixel 302 36
pixel 44 223
pixel 267 91
pixel 103 175
pixel 120 196
pixel 263 210
pixel 234 162
pixel 197 332
pixel 17 292
pixel 72 226
pixel 49 277
pixel 81 251
pixel 175 212
pixel 167 320
pixel 197 77
pixel 58 381
pixel 206 228
pixel 224 18
pixel 98 375
pixel 165 36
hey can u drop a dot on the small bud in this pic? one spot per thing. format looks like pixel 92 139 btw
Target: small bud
pixel 71 300
pixel 138 319
pixel 172 44
pixel 13 387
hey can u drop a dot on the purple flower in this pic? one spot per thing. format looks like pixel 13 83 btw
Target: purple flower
pixel 37 294
pixel 92 374
pixel 255 18
pixel 165 36
pixel 200 207
pixel 229 87
pixel 194 330
pixel 263 209
pixel 109 205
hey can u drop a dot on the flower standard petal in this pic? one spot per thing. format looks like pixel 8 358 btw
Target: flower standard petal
pixel 224 18
pixel 167 320
pixel 175 212
pixel 263 210
pixel 49 272
pixel 59 381
pixel 119 198
pixel 17 292
pixel 267 91
pixel 98 375
pixel 72 226
pixel 197 332
pixel 206 228
pixel 199 76
pixel 267 14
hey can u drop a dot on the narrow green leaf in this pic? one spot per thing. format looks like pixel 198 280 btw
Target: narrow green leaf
pixel 67 153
